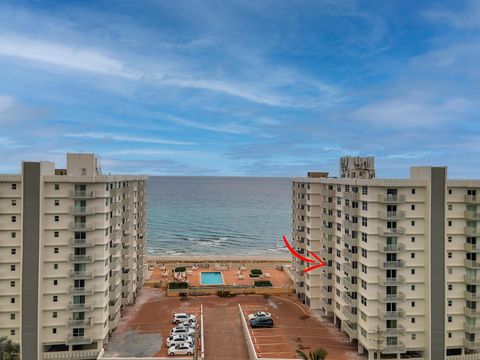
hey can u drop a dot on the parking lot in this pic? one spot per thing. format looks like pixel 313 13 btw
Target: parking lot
pixel 147 324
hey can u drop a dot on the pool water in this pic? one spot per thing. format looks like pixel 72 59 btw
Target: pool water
pixel 211 278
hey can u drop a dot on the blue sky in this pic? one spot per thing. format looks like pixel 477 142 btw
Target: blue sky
pixel 241 87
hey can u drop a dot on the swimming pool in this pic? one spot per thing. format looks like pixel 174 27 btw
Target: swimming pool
pixel 211 278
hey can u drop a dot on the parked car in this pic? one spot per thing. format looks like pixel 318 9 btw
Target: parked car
pixel 181 349
pixel 182 330
pixel 261 321
pixel 259 314
pixel 181 317
pixel 192 323
pixel 179 339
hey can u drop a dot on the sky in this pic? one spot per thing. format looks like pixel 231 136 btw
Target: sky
pixel 241 88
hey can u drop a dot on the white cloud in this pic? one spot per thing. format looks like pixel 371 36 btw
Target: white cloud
pixel 120 137
pixel 467 18
pixel 225 128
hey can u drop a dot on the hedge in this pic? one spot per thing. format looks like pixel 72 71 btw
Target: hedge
pixel 178 285
pixel 256 272
pixel 262 283
pixel 180 269
pixel 253 275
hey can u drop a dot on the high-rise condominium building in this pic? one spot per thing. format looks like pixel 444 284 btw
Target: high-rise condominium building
pixel 402 269
pixel 72 253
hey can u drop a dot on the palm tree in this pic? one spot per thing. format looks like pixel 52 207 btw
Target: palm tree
pixel 9 350
pixel 319 354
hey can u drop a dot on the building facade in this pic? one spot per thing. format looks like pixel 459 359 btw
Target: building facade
pixel 401 270
pixel 72 253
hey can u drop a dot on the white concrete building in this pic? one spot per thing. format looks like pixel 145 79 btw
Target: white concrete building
pixel 72 253
pixel 401 255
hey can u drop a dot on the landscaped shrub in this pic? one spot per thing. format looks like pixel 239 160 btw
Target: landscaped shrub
pixel 254 275
pixel 256 272
pixel 262 283
pixel 178 285
pixel 180 269
pixel 225 294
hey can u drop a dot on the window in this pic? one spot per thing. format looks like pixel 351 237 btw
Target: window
pixel 55 282
pixel 12 300
pixel 14 186
pixel 12 332
pixel 364 190
pixel 414 336
pixel 14 202
pixel 57 186
pixel 55 250
pixel 14 235
pixel 55 266
pixel 363 284
pixel 413 304
pixel 14 219
pixel 449 191
pixel 449 239
pixel 57 202
pixel 449 255
pixel 450 287
pixel 364 253
pixel 12 267
pixel 12 316
pixel 413 271
pixel 449 319
pixel 449 335
pixel 364 205
pixel 363 300
pixel 364 237
pixel 449 302
pixel 55 234
pixel 364 268
pixel 55 298
pixel 413 320
pixel 54 330
pixel 412 207
pixel 364 221
pixel 412 287
pixel 54 315
pixel 449 222
pixel 450 271
pixel 57 218
pixel 12 283
pixel 13 251
pixel 413 239
pixel 413 223
pixel 412 255
pixel 450 207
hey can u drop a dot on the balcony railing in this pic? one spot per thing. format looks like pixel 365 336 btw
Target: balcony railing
pixel 348 314
pixel 391 231
pixel 471 328
pixel 328 230
pixel 398 331
pixel 396 264
pixel 384 314
pixel 472 264
pixel 80 290
pixel 347 267
pixel 347 282
pixel 471 312
pixel 326 280
pixel 78 340
pixel 351 196
pixel 82 194
pixel 398 297
pixel 80 242
pixel 391 199
pixel 391 248
pixel 349 240
pixel 389 281
pixel 471 344
pixel 471 199
pixel 472 215
pixel 471 231
pixel 471 280
pixel 80 274
pixel 351 330
pixel 471 247
pixel 391 215
pixel 82 210
pixel 79 323
pixel 81 258
pixel 328 307
pixel 350 301
pixel 394 349
pixel 80 307
pixel 471 296
pixel 82 226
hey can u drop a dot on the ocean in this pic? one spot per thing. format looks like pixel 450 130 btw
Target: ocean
pixel 218 215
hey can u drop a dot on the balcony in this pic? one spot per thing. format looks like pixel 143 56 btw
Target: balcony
pixel 398 331
pixel 78 340
pixel 349 300
pixel 391 231
pixel 326 255
pixel 398 297
pixel 473 345
pixel 78 275
pixel 472 215
pixel 347 282
pixel 471 280
pixel 348 314
pixel 471 247
pixel 391 248
pixel 328 307
pixel 80 307
pixel 80 290
pixel 389 281
pixel 81 258
pixel 326 280
pixel 78 226
pixel 79 194
pixel 113 321
pixel 350 225
pixel 82 210
pixel 80 323
pixel 396 264
pixel 116 220
pixel 76 354
pixel 391 215
pixel 351 330
pixel 391 199
pixel 471 328
pixel 394 349
pixel 328 230
pixel 351 196
pixel 80 242
pixel 115 305
pixel 347 267
pixel 386 315
pixel 115 291
pixel 349 240
pixel 471 231
pixel 472 264
pixel 471 199
pixel 471 312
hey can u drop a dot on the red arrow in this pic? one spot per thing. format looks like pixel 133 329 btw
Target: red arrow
pixel 292 250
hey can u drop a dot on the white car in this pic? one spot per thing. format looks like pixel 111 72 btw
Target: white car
pixel 179 339
pixel 181 349
pixel 181 317
pixel 259 314
pixel 192 323
pixel 182 330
